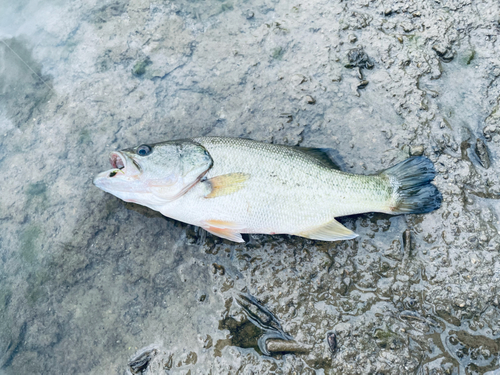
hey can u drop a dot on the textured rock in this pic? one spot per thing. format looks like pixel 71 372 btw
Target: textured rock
pixel 87 280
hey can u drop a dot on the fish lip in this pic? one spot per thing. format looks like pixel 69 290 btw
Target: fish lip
pixel 123 168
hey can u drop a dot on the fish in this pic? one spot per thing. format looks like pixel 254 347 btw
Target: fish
pixel 229 186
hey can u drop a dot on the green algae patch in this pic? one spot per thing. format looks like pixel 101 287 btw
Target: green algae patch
pixel 5 297
pixel 36 195
pixel 29 243
pixel 36 189
pixel 84 137
pixel 385 338
pixel 277 53
pixel 467 57
pixel 36 291
pixel 226 7
pixel 140 67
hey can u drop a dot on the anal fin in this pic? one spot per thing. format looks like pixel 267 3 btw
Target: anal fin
pixel 331 231
pixel 224 229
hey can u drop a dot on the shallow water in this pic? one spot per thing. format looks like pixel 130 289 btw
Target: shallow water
pixel 92 285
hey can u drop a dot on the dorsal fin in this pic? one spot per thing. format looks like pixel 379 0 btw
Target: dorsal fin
pixel 320 154
pixel 331 231
pixel 226 184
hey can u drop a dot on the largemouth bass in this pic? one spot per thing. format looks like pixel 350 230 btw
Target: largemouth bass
pixel 230 186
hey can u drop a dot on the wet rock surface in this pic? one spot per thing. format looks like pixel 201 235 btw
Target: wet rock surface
pixel 87 281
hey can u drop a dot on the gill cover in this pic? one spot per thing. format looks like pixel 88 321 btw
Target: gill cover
pixel 171 168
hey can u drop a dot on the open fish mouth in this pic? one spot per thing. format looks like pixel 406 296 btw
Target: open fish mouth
pixel 123 166
pixel 125 170
pixel 117 160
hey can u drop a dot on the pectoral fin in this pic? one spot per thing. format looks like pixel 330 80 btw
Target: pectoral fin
pixel 224 229
pixel 226 184
pixel 331 231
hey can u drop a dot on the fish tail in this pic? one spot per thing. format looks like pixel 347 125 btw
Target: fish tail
pixel 412 191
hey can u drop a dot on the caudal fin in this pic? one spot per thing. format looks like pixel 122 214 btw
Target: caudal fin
pixel 413 192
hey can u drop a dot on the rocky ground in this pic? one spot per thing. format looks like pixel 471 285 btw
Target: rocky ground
pixel 92 285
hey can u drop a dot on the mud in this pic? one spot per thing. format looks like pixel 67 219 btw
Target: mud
pixel 92 285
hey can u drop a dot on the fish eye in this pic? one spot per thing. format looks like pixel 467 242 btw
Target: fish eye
pixel 144 150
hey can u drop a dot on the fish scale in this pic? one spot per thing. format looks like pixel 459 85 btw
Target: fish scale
pixel 287 190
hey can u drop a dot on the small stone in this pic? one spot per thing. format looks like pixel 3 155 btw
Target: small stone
pixel 141 360
pixel 362 84
pixel 407 241
pixel 417 150
pixel 482 153
pixel 352 38
pixel 298 79
pixel 357 58
pixel 286 346
pixel 208 342
pixel 407 27
pixel 310 99
pixel 331 338
pixel 249 14
pixel 288 116
pixel 439 48
pixel 217 268
pixel 140 67
pixel 443 52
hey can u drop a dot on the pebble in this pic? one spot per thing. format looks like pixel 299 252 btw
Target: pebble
pixel 286 346
pixel 217 268
pixel 331 338
pixel 362 84
pixel 417 150
pixel 482 153
pixel 310 99
pixel 358 58
pixel 443 52
pixel 141 360
pixel 298 79
pixel 407 27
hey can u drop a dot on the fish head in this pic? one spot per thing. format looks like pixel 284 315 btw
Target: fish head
pixel 155 174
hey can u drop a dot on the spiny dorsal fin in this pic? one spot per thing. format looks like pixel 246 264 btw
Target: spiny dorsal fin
pixel 226 184
pixel 320 154
pixel 331 231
